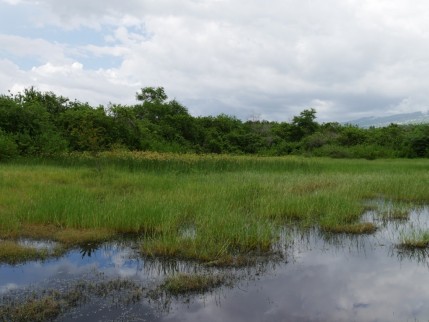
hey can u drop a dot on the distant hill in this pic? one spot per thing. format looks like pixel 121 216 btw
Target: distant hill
pixel 407 118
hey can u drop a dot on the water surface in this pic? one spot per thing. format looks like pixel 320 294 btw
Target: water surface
pixel 321 278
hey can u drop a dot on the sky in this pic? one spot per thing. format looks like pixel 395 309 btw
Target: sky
pixel 247 58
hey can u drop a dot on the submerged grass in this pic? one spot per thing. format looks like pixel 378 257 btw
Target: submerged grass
pixel 43 309
pixel 185 283
pixel 355 228
pixel 215 209
pixel 50 304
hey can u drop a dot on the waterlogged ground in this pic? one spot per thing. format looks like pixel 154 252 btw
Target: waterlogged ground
pixel 320 278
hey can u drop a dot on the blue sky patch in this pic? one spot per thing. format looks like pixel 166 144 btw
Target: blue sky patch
pixel 16 20
pixel 97 62
pixel 19 20
pixel 24 63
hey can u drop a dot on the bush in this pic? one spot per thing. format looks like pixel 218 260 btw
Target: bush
pixel 285 148
pixel 361 151
pixel 8 147
pixel 333 151
pixel 418 142
pixel 371 152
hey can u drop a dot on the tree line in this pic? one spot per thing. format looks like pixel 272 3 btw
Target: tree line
pixel 35 123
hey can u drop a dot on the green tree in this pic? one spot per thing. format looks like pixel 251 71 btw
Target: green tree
pixel 351 135
pixel 152 95
pixel 303 125
pixel 86 128
pixel 168 123
pixel 30 124
pixel 417 142
pixel 127 130
pixel 8 147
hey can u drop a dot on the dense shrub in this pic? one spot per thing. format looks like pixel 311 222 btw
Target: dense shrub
pixel 8 147
pixel 35 123
pixel 417 143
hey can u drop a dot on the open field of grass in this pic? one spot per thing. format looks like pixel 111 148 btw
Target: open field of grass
pixel 210 208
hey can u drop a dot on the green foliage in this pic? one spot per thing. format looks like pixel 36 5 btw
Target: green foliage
pixel 332 151
pixel 53 104
pixel 303 125
pixel 417 143
pixel 352 135
pixel 29 123
pixel 33 123
pixel 152 95
pixel 126 128
pixel 8 147
pixel 319 139
pixel 87 129
pixel 361 151
pixel 391 136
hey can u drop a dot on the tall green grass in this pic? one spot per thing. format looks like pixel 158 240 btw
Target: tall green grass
pixel 231 205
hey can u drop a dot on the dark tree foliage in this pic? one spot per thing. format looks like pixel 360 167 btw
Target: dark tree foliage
pixel 34 123
pixel 26 119
pixel 417 142
pixel 126 128
pixel 86 128
pixel 303 125
pixel 351 135
pixel 152 95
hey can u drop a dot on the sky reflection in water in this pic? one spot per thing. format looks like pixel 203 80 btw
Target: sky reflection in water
pixel 360 278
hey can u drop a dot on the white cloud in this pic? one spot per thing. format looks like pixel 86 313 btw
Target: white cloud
pixel 344 58
pixel 37 48
pixel 12 2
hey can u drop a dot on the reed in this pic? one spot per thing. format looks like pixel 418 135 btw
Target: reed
pixel 414 239
pixel 185 284
pixel 203 207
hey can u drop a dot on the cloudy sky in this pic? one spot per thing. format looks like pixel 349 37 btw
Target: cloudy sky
pixel 267 59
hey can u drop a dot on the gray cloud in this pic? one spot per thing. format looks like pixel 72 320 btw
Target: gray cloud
pixel 345 58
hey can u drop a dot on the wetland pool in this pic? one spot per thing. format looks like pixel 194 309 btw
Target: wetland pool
pixel 320 277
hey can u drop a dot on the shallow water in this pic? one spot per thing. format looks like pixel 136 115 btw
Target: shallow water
pixel 322 278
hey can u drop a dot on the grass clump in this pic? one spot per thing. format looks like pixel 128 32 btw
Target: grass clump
pixel 50 304
pixel 353 228
pixel 184 283
pixel 43 309
pixel 394 210
pixel 66 236
pixel 13 253
pixel 415 239
pixel 224 253
pixel 75 236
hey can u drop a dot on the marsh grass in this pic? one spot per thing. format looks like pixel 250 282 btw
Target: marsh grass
pixel 396 210
pixel 12 253
pixel 51 303
pixel 197 283
pixel 414 239
pixel 43 309
pixel 68 237
pixel 355 228
pixel 236 206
